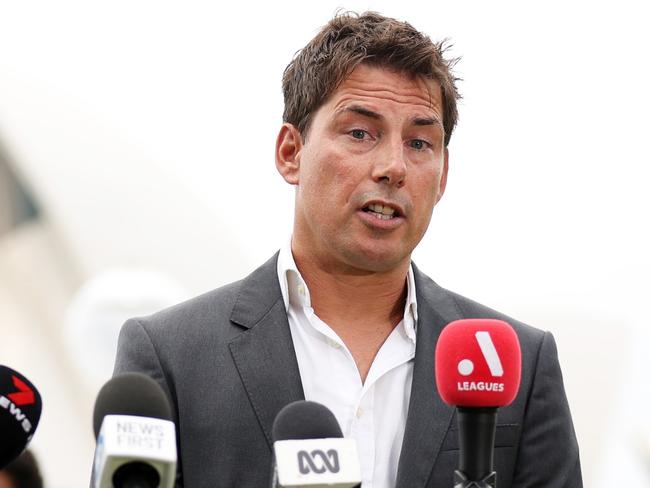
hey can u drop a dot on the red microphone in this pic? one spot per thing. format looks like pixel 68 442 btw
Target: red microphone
pixel 478 369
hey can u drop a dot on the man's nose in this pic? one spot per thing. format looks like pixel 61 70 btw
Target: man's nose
pixel 390 165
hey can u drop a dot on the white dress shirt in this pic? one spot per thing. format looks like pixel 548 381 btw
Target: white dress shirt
pixel 373 413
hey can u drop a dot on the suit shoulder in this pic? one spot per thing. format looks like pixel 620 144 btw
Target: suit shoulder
pixel 205 310
pixel 214 314
pixel 471 309
pixel 455 306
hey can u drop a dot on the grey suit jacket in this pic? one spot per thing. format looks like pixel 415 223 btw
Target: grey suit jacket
pixel 226 360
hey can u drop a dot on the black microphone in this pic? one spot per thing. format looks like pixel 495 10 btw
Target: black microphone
pixel 310 451
pixel 305 420
pixel 20 411
pixel 136 439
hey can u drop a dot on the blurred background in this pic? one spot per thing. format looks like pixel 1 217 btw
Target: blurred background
pixel 137 170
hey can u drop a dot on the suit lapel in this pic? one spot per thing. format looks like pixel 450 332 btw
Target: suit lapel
pixel 429 417
pixel 264 355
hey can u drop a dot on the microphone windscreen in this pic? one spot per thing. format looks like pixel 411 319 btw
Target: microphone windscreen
pixel 20 411
pixel 478 363
pixel 131 394
pixel 305 420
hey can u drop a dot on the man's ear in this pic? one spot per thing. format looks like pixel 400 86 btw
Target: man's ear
pixel 443 175
pixel 288 147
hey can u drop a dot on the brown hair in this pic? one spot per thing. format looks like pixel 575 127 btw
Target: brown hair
pixel 350 39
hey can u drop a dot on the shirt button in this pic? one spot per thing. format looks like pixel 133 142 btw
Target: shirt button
pixel 359 412
pixel 301 289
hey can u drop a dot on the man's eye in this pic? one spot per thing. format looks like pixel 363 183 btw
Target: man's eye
pixel 358 134
pixel 419 144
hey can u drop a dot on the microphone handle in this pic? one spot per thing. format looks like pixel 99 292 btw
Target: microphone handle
pixel 476 433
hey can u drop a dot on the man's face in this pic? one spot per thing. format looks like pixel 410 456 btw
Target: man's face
pixel 369 172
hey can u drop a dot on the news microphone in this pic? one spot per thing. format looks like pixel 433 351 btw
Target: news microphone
pixel 310 451
pixel 20 411
pixel 478 369
pixel 136 439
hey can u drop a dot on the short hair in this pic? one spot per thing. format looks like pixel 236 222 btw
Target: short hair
pixel 23 471
pixel 349 40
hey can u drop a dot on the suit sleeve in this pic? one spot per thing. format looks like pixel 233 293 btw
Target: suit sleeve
pixel 136 352
pixel 548 450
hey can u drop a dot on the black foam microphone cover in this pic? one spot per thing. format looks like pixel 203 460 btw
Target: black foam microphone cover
pixel 305 420
pixel 20 411
pixel 131 394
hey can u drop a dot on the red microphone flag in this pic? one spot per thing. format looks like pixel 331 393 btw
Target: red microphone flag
pixel 478 363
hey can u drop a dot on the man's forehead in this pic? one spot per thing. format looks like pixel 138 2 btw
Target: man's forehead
pixel 374 83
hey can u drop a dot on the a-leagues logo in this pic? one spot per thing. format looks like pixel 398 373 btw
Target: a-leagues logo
pixel 466 366
pixel 317 461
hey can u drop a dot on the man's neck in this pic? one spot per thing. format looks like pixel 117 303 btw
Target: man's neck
pixel 362 307
pixel 341 294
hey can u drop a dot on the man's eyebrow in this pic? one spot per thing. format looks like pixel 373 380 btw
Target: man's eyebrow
pixel 361 111
pixel 419 121
pixel 426 121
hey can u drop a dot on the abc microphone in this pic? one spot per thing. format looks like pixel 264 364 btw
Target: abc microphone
pixel 136 439
pixel 310 450
pixel 478 369
pixel 20 411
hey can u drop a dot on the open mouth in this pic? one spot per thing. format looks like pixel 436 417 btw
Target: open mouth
pixel 382 212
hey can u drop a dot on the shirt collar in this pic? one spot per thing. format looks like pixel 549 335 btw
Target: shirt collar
pixel 295 291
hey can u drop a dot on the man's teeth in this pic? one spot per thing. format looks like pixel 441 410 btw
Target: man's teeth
pixel 382 212
pixel 382 209
pixel 381 216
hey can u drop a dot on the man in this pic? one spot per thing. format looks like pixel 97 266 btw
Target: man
pixel 341 315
